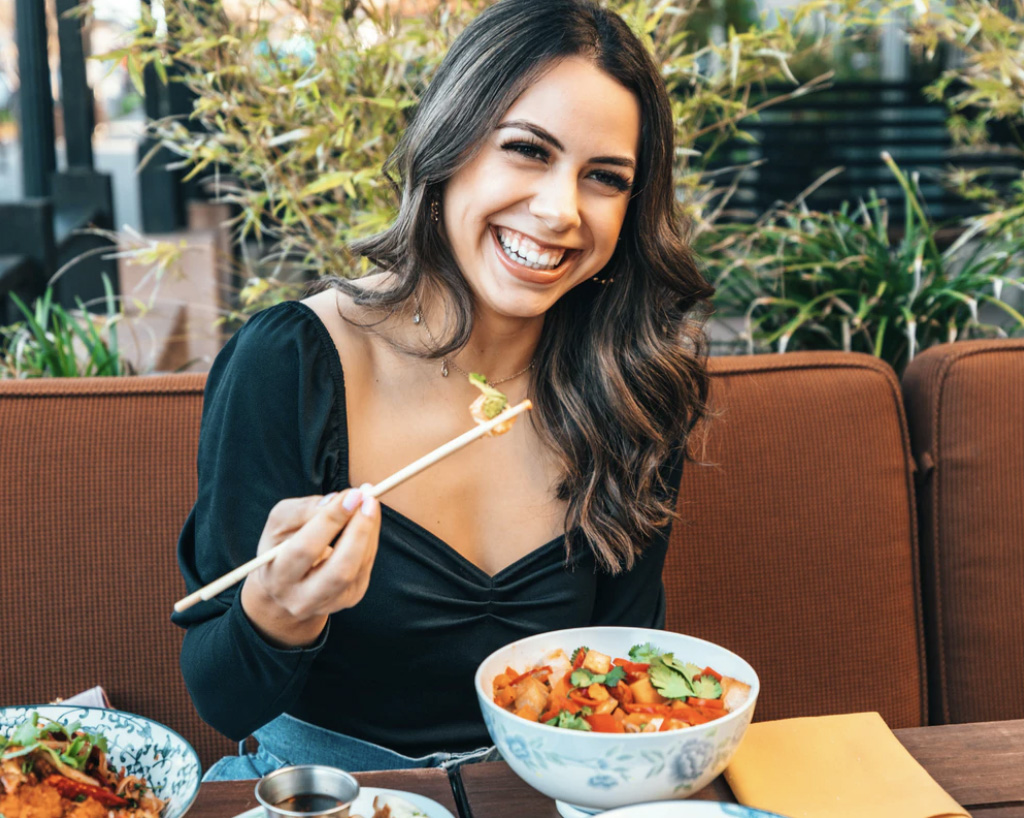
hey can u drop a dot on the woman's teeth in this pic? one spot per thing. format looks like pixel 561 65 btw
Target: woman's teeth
pixel 523 251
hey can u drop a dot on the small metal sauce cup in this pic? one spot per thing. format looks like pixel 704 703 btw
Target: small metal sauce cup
pixel 307 779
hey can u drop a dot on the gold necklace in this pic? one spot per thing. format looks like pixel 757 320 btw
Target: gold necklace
pixel 417 318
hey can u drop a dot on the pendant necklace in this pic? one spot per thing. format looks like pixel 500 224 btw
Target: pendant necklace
pixel 417 318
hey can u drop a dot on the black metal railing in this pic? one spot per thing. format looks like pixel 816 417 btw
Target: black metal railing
pixel 42 233
pixel 849 125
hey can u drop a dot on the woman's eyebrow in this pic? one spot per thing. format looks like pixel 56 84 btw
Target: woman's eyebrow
pixel 540 133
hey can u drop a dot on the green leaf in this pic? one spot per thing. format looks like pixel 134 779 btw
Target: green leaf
pixel 707 687
pixel 614 676
pixel 135 74
pixel 27 732
pixel 327 182
pixel 688 669
pixel 585 678
pixel 569 720
pixel 669 682
pixel 644 653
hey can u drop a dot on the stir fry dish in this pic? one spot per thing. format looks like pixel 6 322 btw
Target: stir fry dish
pixel 647 693
pixel 52 770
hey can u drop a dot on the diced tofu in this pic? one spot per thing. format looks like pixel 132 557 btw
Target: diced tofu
pixel 644 692
pixel 656 723
pixel 734 693
pixel 559 663
pixel 531 693
pixel 597 662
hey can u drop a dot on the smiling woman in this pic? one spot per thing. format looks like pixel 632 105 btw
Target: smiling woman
pixel 543 200
pixel 537 241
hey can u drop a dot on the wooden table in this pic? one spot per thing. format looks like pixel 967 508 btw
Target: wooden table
pixel 980 765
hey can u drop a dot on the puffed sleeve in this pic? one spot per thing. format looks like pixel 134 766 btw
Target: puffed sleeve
pixel 272 428
pixel 636 598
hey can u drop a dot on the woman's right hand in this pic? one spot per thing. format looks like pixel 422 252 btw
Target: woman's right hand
pixel 289 599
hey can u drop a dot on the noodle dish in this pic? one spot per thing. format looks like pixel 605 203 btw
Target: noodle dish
pixel 86 762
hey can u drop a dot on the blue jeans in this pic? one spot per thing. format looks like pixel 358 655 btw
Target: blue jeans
pixel 288 740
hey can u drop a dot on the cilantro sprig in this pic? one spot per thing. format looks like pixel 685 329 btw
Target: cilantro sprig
pixel 668 682
pixel 643 653
pixel 571 721
pixel 674 679
pixel 585 678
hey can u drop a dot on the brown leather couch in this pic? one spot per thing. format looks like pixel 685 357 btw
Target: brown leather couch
pixel 965 402
pixel 798 545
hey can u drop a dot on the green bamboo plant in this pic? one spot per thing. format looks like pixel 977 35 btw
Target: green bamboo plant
pixel 985 88
pixel 58 343
pixel 299 104
pixel 840 280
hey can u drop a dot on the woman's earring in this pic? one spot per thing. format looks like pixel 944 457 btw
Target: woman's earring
pixel 435 210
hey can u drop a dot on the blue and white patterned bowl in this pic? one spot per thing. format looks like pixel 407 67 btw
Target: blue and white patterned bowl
pixel 689 809
pixel 601 771
pixel 143 747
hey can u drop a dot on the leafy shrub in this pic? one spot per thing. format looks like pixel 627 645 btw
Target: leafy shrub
pixel 299 104
pixel 841 280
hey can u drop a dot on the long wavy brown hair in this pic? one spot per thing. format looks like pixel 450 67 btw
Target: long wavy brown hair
pixel 620 379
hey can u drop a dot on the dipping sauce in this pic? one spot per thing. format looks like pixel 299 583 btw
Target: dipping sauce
pixel 309 802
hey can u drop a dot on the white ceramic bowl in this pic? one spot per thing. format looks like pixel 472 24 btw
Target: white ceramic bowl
pixel 143 747
pixel 600 771
pixel 689 809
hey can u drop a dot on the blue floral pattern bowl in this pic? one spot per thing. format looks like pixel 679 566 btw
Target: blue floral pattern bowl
pixel 691 809
pixel 143 747
pixel 601 771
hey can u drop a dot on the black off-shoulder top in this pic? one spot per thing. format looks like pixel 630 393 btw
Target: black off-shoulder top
pixel 397 669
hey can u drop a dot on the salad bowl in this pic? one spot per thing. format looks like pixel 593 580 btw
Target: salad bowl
pixel 591 772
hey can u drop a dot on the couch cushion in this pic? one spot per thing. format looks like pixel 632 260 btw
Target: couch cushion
pixel 98 477
pixel 965 403
pixel 797 541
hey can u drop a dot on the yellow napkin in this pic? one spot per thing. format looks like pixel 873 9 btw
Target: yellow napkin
pixel 849 766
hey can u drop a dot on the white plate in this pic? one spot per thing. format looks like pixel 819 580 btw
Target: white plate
pixel 687 809
pixel 363 805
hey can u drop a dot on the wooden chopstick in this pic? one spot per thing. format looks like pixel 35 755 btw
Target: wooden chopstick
pixel 211 590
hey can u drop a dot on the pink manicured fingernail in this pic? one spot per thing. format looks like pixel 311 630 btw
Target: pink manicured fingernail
pixel 327 498
pixel 369 507
pixel 352 499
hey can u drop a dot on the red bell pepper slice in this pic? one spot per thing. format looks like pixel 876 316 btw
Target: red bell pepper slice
pixel 649 709
pixel 72 789
pixel 580 698
pixel 710 704
pixel 632 667
pixel 714 673
pixel 581 655
pixel 689 714
pixel 531 672
pixel 604 723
